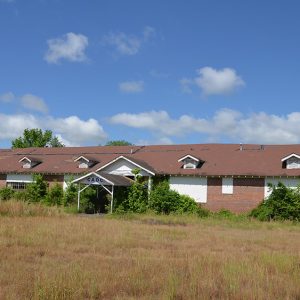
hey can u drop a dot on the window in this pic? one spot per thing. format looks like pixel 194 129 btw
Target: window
pixel 227 185
pixel 18 186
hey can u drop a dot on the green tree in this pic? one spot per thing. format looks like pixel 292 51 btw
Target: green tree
pixel 37 190
pixel 36 138
pixel 118 143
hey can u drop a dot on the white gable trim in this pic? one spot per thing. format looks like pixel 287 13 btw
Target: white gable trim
pixel 132 162
pixel 95 174
pixel 25 158
pixel 81 157
pixel 188 156
pixel 291 155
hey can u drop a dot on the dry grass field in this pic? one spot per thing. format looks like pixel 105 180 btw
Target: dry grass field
pixel 45 254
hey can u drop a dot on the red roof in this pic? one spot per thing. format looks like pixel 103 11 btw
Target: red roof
pixel 219 159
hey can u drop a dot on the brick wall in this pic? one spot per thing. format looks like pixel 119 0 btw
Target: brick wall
pixel 247 194
pixel 2 180
pixel 52 179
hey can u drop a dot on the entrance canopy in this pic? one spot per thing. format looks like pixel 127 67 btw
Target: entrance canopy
pixel 105 180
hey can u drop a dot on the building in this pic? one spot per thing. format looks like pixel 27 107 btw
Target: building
pixel 229 176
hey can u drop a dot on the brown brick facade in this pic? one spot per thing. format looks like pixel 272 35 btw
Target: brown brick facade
pixel 52 179
pixel 247 194
pixel 2 180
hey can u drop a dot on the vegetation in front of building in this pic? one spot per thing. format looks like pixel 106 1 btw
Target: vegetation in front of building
pixel 282 204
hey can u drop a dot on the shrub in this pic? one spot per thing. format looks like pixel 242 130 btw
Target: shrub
pixel 70 194
pixel 163 199
pixel 282 204
pixel 6 193
pixel 138 196
pixel 87 200
pixel 187 205
pixel 55 195
pixel 20 195
pixel 37 190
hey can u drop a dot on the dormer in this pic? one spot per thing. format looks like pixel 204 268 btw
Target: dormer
pixel 189 162
pixel 29 162
pixel 85 162
pixel 291 161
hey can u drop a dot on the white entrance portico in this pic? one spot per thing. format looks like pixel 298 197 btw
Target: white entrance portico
pixel 104 180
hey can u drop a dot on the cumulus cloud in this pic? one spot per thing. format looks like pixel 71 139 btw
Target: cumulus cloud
pixel 132 87
pixel 33 102
pixel 128 44
pixel 70 47
pixel 214 82
pixel 7 97
pixel 226 123
pixel 71 130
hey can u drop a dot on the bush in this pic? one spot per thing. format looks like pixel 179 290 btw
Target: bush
pixel 163 199
pixel 282 204
pixel 87 200
pixel 138 196
pixel 70 194
pixel 20 195
pixel 37 190
pixel 120 204
pixel 6 193
pixel 55 195
pixel 187 204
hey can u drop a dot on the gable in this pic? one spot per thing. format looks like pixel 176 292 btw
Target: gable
pixel 291 162
pixel 123 167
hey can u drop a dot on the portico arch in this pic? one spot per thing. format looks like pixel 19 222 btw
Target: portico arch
pixel 106 181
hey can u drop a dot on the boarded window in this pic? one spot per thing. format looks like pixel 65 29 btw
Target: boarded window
pixel 227 185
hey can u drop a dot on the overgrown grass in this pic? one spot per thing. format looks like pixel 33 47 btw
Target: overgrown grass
pixel 147 257
pixel 13 208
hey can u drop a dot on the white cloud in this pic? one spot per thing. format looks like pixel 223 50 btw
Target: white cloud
pixel 148 33
pixel 70 47
pixel 33 102
pixel 7 97
pixel 214 82
pixel 229 124
pixel 70 130
pixel 131 86
pixel 128 44
pixel 157 74
pixel 185 84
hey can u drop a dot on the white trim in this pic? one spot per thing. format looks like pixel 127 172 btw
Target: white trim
pixel 291 155
pixel 227 185
pixel 26 178
pixel 92 173
pixel 188 156
pixel 127 159
pixel 25 158
pixel 81 156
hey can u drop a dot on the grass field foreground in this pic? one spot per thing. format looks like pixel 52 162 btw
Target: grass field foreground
pixel 57 256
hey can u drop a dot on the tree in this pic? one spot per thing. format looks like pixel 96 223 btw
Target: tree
pixel 37 190
pixel 36 138
pixel 118 143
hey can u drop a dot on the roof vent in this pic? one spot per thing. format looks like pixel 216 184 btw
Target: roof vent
pixel 241 147
pixel 262 147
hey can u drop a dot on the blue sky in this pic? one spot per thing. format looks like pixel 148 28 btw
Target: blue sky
pixel 151 72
